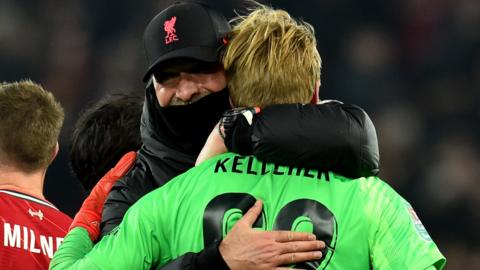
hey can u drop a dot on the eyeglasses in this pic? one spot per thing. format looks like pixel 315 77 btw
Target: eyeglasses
pixel 173 69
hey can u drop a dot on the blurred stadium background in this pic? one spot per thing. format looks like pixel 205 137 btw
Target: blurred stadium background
pixel 414 65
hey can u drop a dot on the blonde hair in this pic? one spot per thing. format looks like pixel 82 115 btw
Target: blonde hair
pixel 271 59
pixel 30 123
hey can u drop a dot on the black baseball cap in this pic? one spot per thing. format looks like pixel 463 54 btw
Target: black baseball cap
pixel 184 30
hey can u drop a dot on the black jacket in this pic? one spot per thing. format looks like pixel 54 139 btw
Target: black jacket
pixel 332 136
pixel 329 137
pixel 172 137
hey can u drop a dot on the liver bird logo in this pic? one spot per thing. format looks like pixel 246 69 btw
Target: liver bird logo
pixel 169 27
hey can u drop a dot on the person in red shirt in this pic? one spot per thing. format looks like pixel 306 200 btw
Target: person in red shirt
pixel 31 228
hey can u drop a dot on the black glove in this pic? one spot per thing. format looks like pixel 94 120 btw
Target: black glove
pixel 235 129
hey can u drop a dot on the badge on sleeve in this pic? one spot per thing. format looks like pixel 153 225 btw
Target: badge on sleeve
pixel 418 223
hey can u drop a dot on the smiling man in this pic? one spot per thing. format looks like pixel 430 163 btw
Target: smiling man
pixel 185 98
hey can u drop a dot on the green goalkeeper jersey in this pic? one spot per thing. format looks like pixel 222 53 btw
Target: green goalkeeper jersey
pixel 364 222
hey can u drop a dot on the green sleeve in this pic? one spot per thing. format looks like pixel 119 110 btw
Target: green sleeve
pixel 76 244
pixel 397 238
pixel 132 245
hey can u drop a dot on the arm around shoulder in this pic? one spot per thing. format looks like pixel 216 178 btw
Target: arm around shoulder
pixel 331 137
pixel 71 253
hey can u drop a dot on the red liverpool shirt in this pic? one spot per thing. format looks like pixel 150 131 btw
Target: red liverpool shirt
pixel 31 230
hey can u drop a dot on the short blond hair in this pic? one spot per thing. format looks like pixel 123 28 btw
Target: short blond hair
pixel 271 59
pixel 30 123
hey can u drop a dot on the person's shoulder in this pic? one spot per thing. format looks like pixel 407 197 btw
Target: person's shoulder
pixel 213 160
pixel 373 188
pixel 209 165
pixel 24 199
pixel 374 183
pixel 376 192
pixel 139 177
pixel 61 215
pixel 23 206
pixel 61 219
pixel 186 180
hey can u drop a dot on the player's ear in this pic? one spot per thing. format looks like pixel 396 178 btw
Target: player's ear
pixel 55 152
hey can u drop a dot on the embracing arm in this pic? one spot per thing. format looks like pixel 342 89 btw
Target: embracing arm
pixel 115 250
pixel 259 250
pixel 331 136
pixel 133 245
pixel 245 248
pixel 74 247
pixel 85 228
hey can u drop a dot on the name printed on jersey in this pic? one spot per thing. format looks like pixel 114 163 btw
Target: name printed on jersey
pixel 22 237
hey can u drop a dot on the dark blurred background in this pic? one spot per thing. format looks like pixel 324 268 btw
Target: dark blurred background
pixel 413 65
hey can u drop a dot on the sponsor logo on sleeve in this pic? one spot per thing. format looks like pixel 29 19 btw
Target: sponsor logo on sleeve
pixel 418 224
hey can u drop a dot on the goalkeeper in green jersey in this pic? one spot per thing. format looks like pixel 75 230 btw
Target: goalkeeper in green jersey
pixel 270 59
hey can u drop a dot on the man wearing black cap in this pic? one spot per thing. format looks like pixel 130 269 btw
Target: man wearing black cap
pixel 185 98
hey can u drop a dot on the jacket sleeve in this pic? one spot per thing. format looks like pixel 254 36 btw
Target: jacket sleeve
pixel 122 196
pixel 330 137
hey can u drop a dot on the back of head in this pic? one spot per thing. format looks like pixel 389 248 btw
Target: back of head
pixel 271 59
pixel 103 134
pixel 30 123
